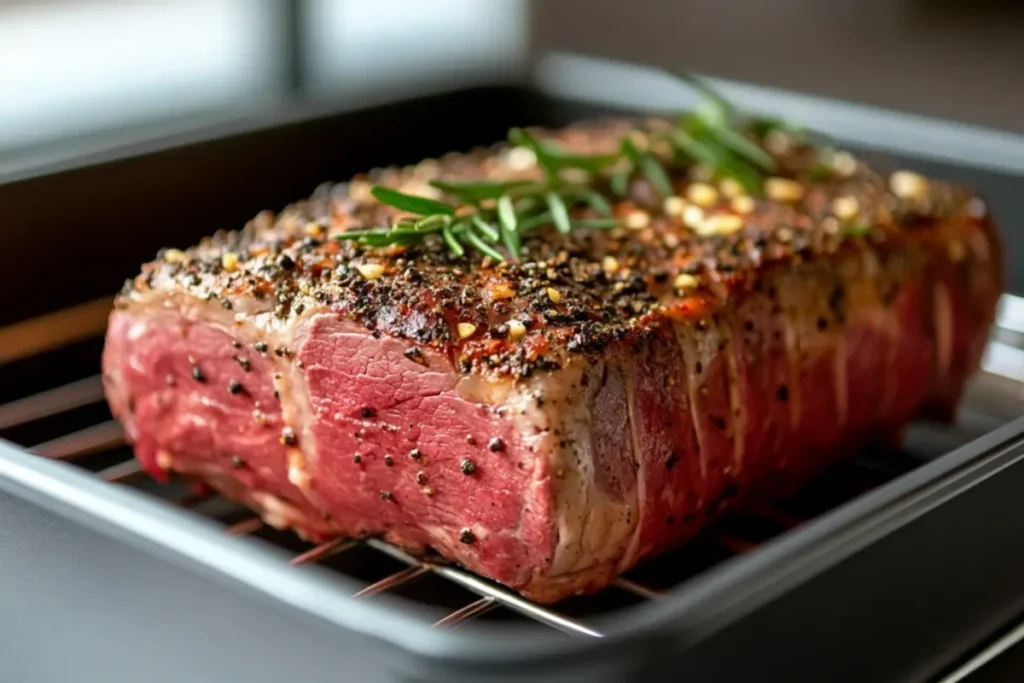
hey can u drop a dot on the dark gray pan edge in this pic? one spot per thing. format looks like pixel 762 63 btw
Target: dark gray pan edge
pixel 694 613
pixel 598 81
pixel 619 84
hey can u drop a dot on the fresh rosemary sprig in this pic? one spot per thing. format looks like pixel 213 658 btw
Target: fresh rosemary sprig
pixel 493 213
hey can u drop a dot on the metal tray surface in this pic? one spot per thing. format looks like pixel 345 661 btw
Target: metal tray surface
pixel 108 583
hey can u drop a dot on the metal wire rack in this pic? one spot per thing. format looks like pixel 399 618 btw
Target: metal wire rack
pixel 87 437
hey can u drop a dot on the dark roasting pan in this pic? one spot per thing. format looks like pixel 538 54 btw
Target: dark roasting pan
pixel 901 566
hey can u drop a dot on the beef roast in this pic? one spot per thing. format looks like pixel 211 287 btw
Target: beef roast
pixel 552 420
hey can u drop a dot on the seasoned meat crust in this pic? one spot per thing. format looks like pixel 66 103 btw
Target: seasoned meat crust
pixel 550 421
pixel 574 294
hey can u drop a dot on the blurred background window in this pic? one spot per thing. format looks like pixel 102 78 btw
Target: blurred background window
pixel 72 69
pixel 363 47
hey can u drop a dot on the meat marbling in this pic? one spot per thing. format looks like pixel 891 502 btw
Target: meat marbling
pixel 331 387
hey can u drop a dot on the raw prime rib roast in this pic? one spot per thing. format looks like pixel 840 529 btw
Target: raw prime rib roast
pixel 552 419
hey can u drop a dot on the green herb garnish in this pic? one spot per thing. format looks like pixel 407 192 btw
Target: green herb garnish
pixel 500 213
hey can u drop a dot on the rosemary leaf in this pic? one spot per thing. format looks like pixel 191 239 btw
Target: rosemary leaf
pixel 594 200
pixel 432 223
pixel 698 149
pixel 411 203
pixel 552 159
pixel 596 223
pixel 559 213
pixel 745 148
pixel 453 243
pixel 655 174
pixel 528 204
pixel 474 241
pixel 620 183
pixel 507 214
pixel 744 174
pixel 485 228
pixel 702 146
pixel 512 240
pixel 715 105
pixel 476 192
pixel 386 239
pixel 536 221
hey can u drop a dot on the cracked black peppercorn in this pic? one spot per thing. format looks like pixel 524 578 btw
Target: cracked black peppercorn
pixel 234 386
pixel 288 437
pixel 415 454
pixel 467 466
pixel 421 477
pixel 261 346
pixel 389 461
pixel 197 374
pixel 357 458
pixel 237 462
pixel 466 536
pixel 496 445
pixel 243 363
pixel 367 412
pixel 415 355
pixel 386 495
pixel 286 262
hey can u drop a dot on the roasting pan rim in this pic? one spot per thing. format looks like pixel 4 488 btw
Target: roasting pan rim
pixel 691 612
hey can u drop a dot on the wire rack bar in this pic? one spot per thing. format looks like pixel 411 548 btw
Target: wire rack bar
pixel 487 589
pixel 121 472
pixel 638 589
pixel 84 442
pixel 491 596
pixel 245 527
pixel 397 579
pixel 323 551
pixel 53 402
pixel 470 611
